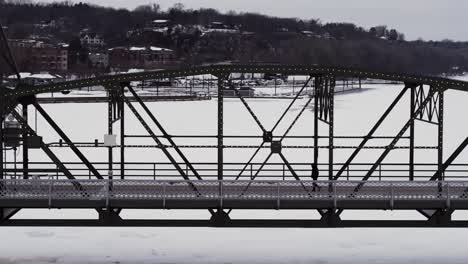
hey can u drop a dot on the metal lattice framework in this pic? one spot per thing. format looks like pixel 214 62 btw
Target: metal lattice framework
pixel 435 190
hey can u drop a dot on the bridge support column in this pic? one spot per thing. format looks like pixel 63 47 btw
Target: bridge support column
pixel 220 146
pixel 110 131
pixel 412 131
pixel 122 131
pixel 25 142
pixel 2 102
pixel 315 170
pixel 25 102
pixel 7 213
pixel 438 217
pixel 331 218
pixel 440 142
pixel 109 216
pixel 324 111
pixel 219 218
pixel 441 218
pixel 331 128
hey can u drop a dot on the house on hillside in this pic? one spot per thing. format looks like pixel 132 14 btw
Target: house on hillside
pixel 123 58
pixel 220 27
pixel 91 39
pixel 160 24
pixel 98 60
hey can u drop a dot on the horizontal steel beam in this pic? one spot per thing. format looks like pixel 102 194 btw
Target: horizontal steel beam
pixel 216 70
pixel 139 194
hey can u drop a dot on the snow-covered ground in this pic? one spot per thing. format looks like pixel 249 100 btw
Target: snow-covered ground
pixel 355 114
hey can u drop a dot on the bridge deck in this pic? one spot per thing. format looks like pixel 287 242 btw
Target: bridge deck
pixel 146 194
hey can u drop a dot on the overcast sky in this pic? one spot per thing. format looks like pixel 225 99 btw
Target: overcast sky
pixel 428 19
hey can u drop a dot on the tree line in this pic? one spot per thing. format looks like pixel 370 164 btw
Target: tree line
pixel 261 38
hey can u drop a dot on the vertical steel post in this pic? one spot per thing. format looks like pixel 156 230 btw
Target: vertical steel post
pixel 220 146
pixel 412 134
pixel 110 132
pixel 2 103
pixel 331 87
pixel 440 158
pixel 275 85
pixel 317 85
pixel 122 132
pixel 25 142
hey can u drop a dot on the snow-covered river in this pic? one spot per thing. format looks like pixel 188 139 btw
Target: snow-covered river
pixel 355 114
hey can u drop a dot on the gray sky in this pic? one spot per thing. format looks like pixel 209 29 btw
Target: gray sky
pixel 428 19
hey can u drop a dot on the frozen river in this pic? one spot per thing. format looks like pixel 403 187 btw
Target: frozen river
pixel 355 114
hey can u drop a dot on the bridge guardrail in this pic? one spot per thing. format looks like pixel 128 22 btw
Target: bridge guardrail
pixel 106 192
pixel 208 171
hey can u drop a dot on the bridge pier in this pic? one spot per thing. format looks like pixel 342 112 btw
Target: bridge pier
pixel 7 213
pixel 220 218
pixel 438 217
pixel 110 216
pixel 331 218
pixel 441 218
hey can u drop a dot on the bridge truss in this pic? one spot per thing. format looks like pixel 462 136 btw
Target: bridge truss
pixel 434 190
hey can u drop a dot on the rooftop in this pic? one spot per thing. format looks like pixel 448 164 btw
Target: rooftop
pixel 161 21
pixel 152 48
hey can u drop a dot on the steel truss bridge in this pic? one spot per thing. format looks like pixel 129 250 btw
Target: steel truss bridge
pixel 434 190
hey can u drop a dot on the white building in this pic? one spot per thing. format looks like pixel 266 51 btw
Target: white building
pixel 91 39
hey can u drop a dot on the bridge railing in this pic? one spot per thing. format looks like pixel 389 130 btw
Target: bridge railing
pixel 107 191
pixel 208 171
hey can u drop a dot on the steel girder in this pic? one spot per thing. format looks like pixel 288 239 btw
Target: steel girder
pixel 226 69
pixel 67 140
pixel 425 107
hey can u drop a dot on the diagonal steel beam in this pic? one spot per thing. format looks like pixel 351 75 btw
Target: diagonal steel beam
pixel 450 160
pixel 6 53
pixel 164 132
pixel 257 173
pixel 296 119
pixel 162 146
pixel 49 152
pixel 249 110
pixel 250 160
pixel 282 138
pixel 291 104
pixel 290 168
pixel 293 172
pixel 67 140
pixel 371 133
pixel 156 139
pixel 397 138
pixel 261 166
